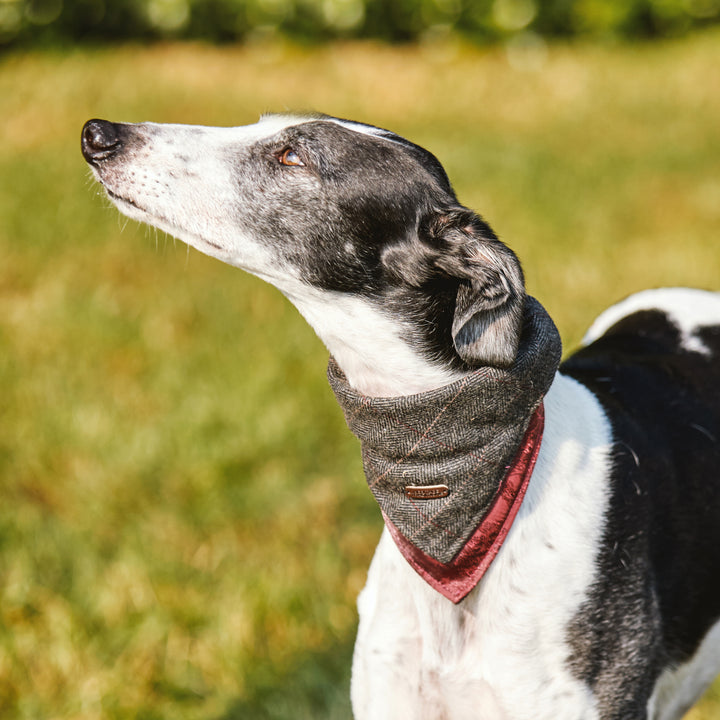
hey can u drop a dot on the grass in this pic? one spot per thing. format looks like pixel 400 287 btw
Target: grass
pixel 183 521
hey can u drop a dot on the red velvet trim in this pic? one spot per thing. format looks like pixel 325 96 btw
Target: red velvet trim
pixel 458 577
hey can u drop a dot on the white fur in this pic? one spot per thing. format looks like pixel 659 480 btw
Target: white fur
pixel 687 308
pixel 155 186
pixel 385 367
pixel 677 689
pixel 501 653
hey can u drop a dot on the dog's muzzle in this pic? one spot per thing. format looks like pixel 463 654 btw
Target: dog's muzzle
pixel 100 140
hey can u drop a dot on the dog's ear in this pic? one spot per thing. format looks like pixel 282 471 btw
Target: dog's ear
pixel 457 244
pixel 491 295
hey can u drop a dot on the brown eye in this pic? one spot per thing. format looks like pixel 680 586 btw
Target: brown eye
pixel 290 158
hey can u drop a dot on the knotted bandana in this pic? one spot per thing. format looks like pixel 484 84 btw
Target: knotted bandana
pixel 449 467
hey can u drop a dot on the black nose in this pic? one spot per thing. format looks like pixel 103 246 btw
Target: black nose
pixel 100 140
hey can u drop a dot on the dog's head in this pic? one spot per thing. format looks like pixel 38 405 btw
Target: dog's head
pixel 321 204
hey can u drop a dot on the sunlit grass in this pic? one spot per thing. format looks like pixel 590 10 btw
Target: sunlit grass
pixel 184 525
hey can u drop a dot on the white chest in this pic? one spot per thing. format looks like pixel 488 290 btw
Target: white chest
pixel 501 653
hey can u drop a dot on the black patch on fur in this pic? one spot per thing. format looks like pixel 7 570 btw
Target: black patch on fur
pixel 371 215
pixel 657 591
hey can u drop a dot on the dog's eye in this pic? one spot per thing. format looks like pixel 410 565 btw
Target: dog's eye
pixel 290 158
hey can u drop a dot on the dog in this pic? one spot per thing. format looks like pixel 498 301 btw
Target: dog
pixel 602 599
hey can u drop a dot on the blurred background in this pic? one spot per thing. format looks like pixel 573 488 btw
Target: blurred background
pixel 184 524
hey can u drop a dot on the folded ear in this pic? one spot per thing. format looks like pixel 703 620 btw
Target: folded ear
pixel 457 244
pixel 488 308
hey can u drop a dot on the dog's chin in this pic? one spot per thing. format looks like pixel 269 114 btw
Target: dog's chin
pixel 130 208
pixel 229 255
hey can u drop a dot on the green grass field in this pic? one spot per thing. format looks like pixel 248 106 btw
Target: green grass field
pixel 184 525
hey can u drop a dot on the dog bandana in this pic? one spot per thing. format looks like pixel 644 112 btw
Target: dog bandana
pixel 449 467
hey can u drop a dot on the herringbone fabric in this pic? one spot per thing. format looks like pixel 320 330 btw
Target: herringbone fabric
pixel 463 436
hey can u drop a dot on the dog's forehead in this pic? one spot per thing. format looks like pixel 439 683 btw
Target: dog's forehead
pixel 269 127
pixel 272 124
pixel 275 124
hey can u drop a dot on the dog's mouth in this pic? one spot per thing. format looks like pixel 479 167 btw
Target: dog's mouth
pixel 121 199
pixel 161 222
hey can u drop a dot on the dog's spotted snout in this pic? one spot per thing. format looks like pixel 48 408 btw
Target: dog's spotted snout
pixel 100 140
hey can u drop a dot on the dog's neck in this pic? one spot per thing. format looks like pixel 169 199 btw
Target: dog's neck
pixel 387 365
pixel 449 467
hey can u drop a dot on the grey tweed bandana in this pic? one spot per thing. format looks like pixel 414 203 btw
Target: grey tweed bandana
pixel 445 463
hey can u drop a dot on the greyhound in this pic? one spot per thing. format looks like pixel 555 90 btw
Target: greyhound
pixel 597 594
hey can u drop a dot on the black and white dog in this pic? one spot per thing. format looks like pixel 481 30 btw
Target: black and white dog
pixel 604 599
